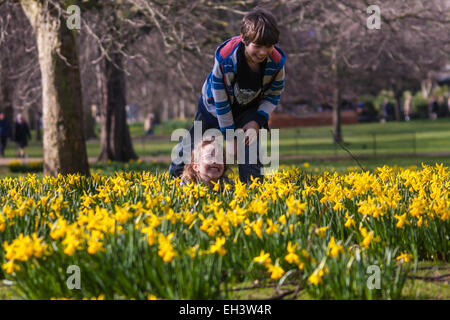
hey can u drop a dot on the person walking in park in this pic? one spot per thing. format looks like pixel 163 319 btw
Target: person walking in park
pixel 442 107
pixel 22 134
pixel 243 88
pixel 407 107
pixel 4 133
pixel 149 124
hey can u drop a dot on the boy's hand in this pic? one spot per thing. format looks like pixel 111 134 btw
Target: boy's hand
pixel 253 135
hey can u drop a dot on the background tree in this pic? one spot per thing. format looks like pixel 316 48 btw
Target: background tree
pixel 20 89
pixel 338 55
pixel 63 141
pixel 163 51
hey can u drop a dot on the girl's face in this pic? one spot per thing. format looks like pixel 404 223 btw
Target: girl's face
pixel 211 166
pixel 257 53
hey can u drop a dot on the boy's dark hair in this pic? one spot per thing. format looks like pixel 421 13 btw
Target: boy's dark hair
pixel 259 26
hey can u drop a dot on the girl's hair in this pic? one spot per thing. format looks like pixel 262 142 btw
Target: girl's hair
pixel 189 174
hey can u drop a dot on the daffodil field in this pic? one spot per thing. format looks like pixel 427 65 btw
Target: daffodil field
pixel 141 235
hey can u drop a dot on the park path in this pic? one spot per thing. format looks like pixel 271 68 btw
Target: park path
pixel 166 159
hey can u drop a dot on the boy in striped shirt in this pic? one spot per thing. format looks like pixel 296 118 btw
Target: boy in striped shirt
pixel 244 86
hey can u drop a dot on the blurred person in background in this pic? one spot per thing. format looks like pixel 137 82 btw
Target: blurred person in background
pixel 407 107
pixel 442 107
pixel 22 134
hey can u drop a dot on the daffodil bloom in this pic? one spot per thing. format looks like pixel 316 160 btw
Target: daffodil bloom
pixel 247 227
pixel 316 277
pixel 276 272
pixel 308 190
pixel 2 223
pixel 263 258
pixel 151 235
pixel 321 231
pixel 291 228
pixel 10 267
pixel 338 206
pixel 122 215
pixel 401 220
pixel 259 207
pixel 255 182
pixel 368 237
pixel 217 247
pixel 295 206
pixel 189 217
pixel 209 226
pixel 192 252
pixel 257 228
pixel 334 249
pixel 271 227
pixel 216 186
pixel 404 257
pixel 419 221
pixel 349 222
pixel 94 245
pixel 25 247
pixel 166 250
pixel 292 257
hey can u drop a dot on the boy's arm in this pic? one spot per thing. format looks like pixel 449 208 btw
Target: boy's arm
pixel 270 99
pixel 221 101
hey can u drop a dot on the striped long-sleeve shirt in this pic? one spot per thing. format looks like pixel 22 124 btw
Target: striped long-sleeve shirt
pixel 217 91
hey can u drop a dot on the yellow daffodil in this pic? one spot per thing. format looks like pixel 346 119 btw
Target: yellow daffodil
pixel 217 247
pixel 321 231
pixel 404 257
pixel 334 248
pixel 276 272
pixel 263 258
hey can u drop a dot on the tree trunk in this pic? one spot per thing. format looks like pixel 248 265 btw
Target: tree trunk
pixel 397 88
pixel 398 103
pixel 426 85
pixel 89 124
pixel 7 89
pixel 115 141
pixel 165 111
pixel 337 133
pixel 63 138
pixel 38 126
pixel 182 109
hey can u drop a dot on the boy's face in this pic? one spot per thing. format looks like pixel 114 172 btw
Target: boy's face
pixel 257 53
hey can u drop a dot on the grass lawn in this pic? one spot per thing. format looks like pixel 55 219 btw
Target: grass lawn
pixel 368 139
pixel 392 140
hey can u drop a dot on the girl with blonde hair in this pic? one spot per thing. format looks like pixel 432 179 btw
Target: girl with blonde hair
pixel 206 166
